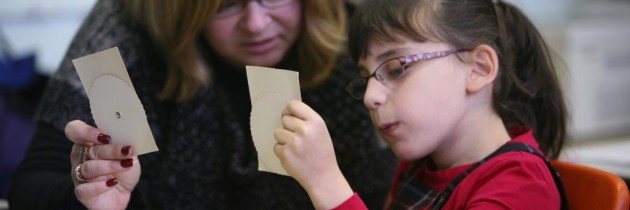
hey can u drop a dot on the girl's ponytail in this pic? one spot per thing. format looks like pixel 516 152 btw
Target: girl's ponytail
pixel 528 91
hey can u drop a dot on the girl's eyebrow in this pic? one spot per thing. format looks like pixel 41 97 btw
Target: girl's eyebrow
pixel 388 54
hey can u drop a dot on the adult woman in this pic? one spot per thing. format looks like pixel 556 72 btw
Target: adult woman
pixel 186 60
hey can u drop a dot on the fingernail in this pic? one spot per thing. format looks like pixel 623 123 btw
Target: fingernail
pixel 125 150
pixel 103 138
pixel 111 182
pixel 126 163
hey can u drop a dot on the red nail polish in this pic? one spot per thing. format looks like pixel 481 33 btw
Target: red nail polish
pixel 125 150
pixel 126 163
pixel 111 182
pixel 103 138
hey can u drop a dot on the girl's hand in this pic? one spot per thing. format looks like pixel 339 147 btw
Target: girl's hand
pixel 306 152
pixel 106 174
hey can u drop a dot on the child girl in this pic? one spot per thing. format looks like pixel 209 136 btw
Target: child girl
pixel 464 93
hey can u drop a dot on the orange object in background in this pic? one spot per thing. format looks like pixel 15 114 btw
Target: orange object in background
pixel 591 188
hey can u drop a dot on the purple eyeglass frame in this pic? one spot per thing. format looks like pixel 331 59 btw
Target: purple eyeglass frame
pixel 404 60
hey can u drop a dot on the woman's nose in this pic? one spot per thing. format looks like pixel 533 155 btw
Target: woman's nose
pixel 255 17
pixel 374 94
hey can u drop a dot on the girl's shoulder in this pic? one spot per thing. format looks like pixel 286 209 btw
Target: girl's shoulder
pixel 518 163
pixel 515 179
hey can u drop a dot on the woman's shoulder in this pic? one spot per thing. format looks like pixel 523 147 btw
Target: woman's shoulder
pixel 106 26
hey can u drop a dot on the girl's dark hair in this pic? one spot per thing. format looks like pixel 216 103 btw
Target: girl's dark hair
pixel 526 92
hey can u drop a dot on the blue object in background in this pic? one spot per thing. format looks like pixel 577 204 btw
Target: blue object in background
pixel 16 73
pixel 17 80
pixel 16 132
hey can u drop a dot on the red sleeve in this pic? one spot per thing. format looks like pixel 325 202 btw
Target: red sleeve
pixel 353 203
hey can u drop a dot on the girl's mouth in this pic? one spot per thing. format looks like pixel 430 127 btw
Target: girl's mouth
pixel 388 128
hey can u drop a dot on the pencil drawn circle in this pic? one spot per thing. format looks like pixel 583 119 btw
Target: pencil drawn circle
pixel 110 99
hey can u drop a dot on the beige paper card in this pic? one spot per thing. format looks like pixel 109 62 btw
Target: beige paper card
pixel 115 106
pixel 270 91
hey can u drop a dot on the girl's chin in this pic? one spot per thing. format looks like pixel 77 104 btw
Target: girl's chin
pixel 407 153
pixel 403 154
pixel 406 158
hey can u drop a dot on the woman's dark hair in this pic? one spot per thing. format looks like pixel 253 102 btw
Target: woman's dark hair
pixel 526 92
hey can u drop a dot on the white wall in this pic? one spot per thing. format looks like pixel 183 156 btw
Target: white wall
pixel 43 27
pixel 592 41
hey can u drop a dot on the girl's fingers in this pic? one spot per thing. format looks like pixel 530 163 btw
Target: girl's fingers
pixel 283 136
pixel 299 109
pixel 97 168
pixel 283 156
pixel 292 123
pixel 298 116
pixel 280 151
pixel 89 190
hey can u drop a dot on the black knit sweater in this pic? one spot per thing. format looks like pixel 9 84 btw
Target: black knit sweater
pixel 207 159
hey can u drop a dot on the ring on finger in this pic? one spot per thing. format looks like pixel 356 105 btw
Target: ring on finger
pixel 83 153
pixel 78 175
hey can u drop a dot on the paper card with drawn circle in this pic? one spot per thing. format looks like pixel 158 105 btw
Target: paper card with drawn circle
pixel 120 113
pixel 115 107
pixel 270 91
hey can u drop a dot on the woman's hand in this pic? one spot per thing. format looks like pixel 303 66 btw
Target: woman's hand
pixel 107 173
pixel 306 152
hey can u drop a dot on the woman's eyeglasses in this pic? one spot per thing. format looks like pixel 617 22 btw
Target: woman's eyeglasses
pixel 391 70
pixel 232 7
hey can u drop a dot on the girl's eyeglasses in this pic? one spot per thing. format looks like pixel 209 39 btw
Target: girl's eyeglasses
pixel 391 70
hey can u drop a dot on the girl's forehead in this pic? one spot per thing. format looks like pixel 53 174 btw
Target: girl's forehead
pixel 401 47
pixel 395 39
pixel 378 45
pixel 380 50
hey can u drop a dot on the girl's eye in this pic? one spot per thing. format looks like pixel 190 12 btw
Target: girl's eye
pixel 394 73
pixel 392 69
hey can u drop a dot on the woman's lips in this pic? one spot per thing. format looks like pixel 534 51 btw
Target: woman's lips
pixel 261 46
pixel 388 129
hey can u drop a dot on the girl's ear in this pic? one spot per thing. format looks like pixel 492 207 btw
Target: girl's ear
pixel 485 67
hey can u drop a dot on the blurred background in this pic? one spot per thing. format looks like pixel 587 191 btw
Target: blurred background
pixel 590 40
pixel 34 36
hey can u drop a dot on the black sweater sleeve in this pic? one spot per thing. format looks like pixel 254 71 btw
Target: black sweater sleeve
pixel 43 178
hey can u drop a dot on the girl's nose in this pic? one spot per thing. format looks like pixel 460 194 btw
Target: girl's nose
pixel 255 17
pixel 374 94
